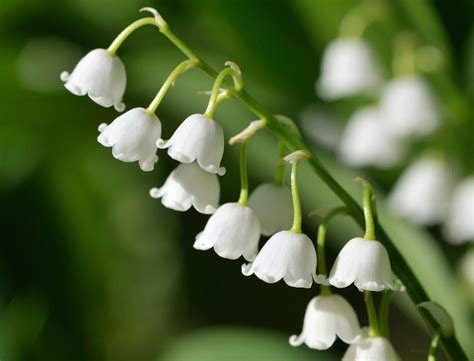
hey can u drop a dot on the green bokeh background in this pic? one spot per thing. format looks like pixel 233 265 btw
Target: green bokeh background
pixel 92 268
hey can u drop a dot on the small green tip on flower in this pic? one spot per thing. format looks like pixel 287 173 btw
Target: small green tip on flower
pixel 296 156
pixel 248 132
pixel 158 18
pixel 361 181
pixel 239 83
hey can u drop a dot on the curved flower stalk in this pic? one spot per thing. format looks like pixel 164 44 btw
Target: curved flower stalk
pixel 459 225
pixel 101 76
pixel 371 348
pixel 188 185
pixel 409 108
pixel 132 137
pixel 348 68
pixel 328 317
pixel 197 139
pixel 423 191
pixel 366 141
pixel 272 204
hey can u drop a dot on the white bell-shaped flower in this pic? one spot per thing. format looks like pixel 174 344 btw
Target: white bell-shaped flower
pixel 371 349
pixel 459 225
pixel 348 68
pixel 101 76
pixel 364 263
pixel 423 191
pixel 233 231
pixel 133 137
pixel 188 185
pixel 366 142
pixel 274 207
pixel 286 255
pixel 328 317
pixel 409 107
pixel 197 139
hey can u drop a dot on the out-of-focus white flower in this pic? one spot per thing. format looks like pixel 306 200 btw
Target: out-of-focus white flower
pixel 233 231
pixel 328 317
pixel 409 108
pixel 423 192
pixel 348 68
pixel 197 139
pixel 188 185
pixel 133 137
pixel 286 255
pixel 371 349
pixel 101 76
pixel 459 226
pixel 364 263
pixel 274 207
pixel 365 141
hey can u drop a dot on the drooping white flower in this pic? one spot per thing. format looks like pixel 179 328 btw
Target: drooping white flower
pixel 366 142
pixel 328 317
pixel 409 107
pixel 364 263
pixel 233 231
pixel 459 225
pixel 348 67
pixel 286 255
pixel 197 139
pixel 188 185
pixel 371 349
pixel 133 137
pixel 423 191
pixel 274 207
pixel 101 76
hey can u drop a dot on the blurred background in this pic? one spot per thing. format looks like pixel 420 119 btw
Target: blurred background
pixel 92 268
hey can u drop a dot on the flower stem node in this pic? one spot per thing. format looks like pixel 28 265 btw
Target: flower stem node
pixel 286 255
pixel 248 132
pixel 296 156
pixel 371 348
pixel 364 263
pixel 326 318
pixel 197 139
pixel 188 185
pixel 160 22
pixel 273 205
pixel 133 137
pixel 233 231
pixel 101 76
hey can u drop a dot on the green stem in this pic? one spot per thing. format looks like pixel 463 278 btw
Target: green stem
pixel 368 213
pixel 321 242
pixel 244 182
pixel 280 169
pixel 384 313
pixel 174 75
pixel 125 33
pixel 296 228
pixel 400 267
pixel 374 329
pixel 211 106
pixel 434 347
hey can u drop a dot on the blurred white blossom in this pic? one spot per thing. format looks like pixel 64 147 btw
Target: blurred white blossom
pixel 459 225
pixel 371 349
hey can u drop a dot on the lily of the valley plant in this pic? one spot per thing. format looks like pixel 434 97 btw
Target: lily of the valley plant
pixel 234 229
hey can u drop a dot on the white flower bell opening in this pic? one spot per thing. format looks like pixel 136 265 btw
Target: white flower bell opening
pixel 133 137
pixel 328 317
pixel 364 263
pixel 286 255
pixel 273 206
pixel 348 67
pixel 371 349
pixel 233 231
pixel 409 107
pixel 459 225
pixel 422 193
pixel 101 76
pixel 366 142
pixel 197 139
pixel 188 185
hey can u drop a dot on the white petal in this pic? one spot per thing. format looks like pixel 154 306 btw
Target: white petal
pixel 101 76
pixel 132 137
pixel 274 207
pixel 233 231
pixel 371 348
pixel 347 68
